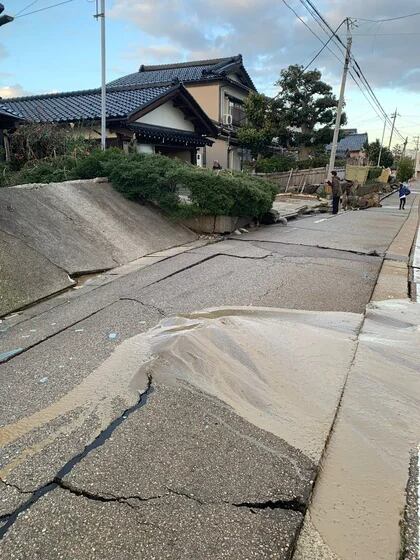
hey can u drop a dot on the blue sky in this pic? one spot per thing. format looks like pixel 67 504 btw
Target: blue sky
pixel 58 49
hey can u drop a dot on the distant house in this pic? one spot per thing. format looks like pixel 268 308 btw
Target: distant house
pixel 351 148
pixel 220 87
pixel 162 118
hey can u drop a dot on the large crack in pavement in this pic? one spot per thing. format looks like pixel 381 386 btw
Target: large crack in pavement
pixel 133 501
pixel 57 481
pixel 372 253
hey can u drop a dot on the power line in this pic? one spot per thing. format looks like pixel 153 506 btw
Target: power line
pixel 336 56
pixel 26 7
pixel 323 47
pixel 384 34
pixel 381 115
pixel 43 9
pixel 310 29
pixel 324 26
pixel 390 19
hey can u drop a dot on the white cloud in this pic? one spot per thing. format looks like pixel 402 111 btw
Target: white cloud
pixel 262 28
pixel 15 90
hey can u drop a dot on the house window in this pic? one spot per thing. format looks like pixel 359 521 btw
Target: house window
pixel 234 112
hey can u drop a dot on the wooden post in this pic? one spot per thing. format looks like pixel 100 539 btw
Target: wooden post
pixel 288 181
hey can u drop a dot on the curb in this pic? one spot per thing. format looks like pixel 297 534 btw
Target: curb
pixel 394 277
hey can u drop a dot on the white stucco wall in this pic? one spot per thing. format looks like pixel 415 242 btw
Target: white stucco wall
pixel 168 116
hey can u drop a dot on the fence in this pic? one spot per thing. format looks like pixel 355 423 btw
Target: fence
pixel 300 177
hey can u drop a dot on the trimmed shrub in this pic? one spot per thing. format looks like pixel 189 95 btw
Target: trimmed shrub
pixel 158 179
pixel 144 177
pixel 374 173
pixel 97 164
pixel 275 164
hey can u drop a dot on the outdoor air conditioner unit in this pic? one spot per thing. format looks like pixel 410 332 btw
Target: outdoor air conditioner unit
pixel 227 119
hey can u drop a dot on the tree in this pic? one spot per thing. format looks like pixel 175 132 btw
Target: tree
pixel 308 105
pixel 372 151
pixel 397 152
pixel 405 169
pixel 264 124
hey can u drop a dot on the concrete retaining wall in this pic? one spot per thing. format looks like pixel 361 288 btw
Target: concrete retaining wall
pixel 50 231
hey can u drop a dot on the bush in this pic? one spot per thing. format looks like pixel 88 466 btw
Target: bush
pixel 374 173
pixel 158 179
pixel 405 169
pixel 47 171
pixel 144 177
pixel 97 164
pixel 34 142
pixel 278 164
pixel 275 164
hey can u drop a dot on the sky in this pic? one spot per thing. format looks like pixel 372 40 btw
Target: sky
pixel 58 49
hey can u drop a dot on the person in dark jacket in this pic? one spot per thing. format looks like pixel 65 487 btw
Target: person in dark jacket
pixel 402 193
pixel 336 191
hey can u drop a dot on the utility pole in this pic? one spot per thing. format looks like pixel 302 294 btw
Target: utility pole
pixel 5 18
pixel 416 139
pixel 101 15
pixel 394 116
pixel 405 146
pixel 382 144
pixel 340 101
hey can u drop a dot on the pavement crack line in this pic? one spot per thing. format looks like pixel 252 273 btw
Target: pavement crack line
pixel 57 480
pixel 23 350
pixel 295 504
pixel 15 487
pixel 372 253
pixel 105 498
pixel 151 305
pixel 250 257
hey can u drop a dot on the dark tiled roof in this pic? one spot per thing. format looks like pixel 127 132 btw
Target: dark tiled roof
pixel 5 112
pixel 195 71
pixel 162 134
pixel 351 143
pixel 82 105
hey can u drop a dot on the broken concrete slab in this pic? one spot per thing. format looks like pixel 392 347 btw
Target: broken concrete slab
pixel 26 274
pixel 187 443
pixel 64 525
pixel 84 226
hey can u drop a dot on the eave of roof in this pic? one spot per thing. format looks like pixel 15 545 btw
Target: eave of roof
pixel 123 104
pixel 163 135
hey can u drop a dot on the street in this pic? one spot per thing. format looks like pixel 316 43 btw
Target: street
pixel 89 470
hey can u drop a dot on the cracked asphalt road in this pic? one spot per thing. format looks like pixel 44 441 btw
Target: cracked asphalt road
pixel 66 338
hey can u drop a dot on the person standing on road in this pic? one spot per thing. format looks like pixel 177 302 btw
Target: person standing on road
pixel 402 193
pixel 336 192
pixel 348 185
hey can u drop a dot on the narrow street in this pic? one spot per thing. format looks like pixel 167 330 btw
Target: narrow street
pixel 196 470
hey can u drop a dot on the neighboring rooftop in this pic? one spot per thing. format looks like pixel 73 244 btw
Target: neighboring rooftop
pixel 81 105
pixel 188 72
pixel 350 143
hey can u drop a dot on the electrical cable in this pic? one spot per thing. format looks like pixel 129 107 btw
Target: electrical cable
pixel 313 10
pixel 43 9
pixel 26 7
pixel 381 117
pixel 323 47
pixel 389 19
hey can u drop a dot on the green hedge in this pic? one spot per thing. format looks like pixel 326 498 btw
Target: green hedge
pixel 279 164
pixel 158 179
